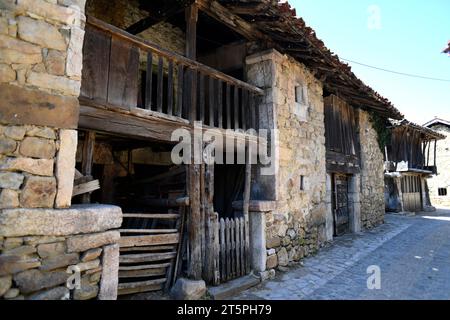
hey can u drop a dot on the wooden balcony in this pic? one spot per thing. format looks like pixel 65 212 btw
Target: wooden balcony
pixel 125 74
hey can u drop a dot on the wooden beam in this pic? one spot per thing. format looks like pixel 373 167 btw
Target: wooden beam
pixel 215 10
pixel 88 159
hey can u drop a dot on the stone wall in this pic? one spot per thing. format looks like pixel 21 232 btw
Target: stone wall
pixel 38 245
pixel 40 234
pixel 296 228
pixel 372 175
pixel 442 179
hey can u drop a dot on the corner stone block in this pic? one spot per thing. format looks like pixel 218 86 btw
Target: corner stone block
pixel 65 167
pixel 110 273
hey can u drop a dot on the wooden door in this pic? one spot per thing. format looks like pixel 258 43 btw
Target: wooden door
pixel 341 209
pixel 412 193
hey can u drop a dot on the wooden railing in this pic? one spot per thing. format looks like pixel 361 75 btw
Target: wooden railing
pixel 126 71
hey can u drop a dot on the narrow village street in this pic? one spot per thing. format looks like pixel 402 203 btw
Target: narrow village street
pixel 413 254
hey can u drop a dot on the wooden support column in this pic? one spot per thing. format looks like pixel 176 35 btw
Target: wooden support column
pixel 196 225
pixel 88 160
pixel 435 150
pixel 247 190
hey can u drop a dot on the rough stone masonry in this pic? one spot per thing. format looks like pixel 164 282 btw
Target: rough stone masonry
pixel 41 235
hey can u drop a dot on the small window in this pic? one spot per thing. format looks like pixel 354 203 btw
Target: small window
pixel 300 94
pixel 301 102
pixel 442 192
pixel 302 183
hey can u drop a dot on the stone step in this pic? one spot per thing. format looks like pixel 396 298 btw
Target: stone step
pixel 233 287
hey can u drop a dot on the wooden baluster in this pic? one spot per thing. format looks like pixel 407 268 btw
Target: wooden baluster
pixel 220 103
pixel 252 118
pixel 228 101
pixel 244 110
pixel 211 102
pixel 242 245
pixel 170 89
pixel 160 90
pixel 180 90
pixel 87 160
pixel 236 108
pixel 148 82
pixel 202 98
pixel 228 246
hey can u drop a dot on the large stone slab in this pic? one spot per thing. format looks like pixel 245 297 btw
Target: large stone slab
pixel 186 289
pixel 85 242
pixel 34 280
pixel 41 167
pixel 110 273
pixel 50 222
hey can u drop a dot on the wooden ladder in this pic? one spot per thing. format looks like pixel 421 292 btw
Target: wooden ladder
pixel 149 257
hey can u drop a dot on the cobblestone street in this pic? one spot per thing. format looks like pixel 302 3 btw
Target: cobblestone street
pixel 413 254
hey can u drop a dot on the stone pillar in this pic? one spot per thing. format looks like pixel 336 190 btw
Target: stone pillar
pixel 329 222
pixel 426 203
pixel 398 183
pixel 354 196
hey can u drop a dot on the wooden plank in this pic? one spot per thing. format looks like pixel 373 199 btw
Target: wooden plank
pixel 170 86
pixel 130 285
pixel 87 159
pixel 236 108
pixel 96 54
pixel 180 87
pixel 247 190
pixel 160 85
pixel 149 82
pixel 146 257
pixel 232 256
pixel 211 96
pixel 142 273
pixel 242 245
pixel 202 97
pixel 28 106
pixel 223 270
pixel 123 74
pixel 228 246
pixel 220 103
pixel 148 248
pixel 139 289
pixel 149 231
pixel 149 240
pixel 244 106
pixel 216 243
pixel 228 107
pixel 85 187
pixel 144 267
pixel 152 215
pixel 238 246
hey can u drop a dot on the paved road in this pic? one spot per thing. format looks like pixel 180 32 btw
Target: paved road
pixel 413 254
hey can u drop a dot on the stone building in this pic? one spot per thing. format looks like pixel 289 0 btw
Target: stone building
pixel 439 185
pixel 410 163
pixel 89 186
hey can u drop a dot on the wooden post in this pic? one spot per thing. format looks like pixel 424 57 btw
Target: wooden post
pixel 193 177
pixel 247 189
pixel 88 160
pixel 435 150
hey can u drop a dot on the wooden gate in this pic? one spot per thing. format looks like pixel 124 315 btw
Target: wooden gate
pixel 232 254
pixel 341 208
pixel 412 193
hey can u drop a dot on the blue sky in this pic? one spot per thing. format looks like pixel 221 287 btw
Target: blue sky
pixel 409 38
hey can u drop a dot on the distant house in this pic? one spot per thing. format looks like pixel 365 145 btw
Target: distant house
pixel 410 161
pixel 440 184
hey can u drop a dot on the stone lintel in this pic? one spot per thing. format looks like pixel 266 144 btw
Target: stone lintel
pixel 79 219
pixel 256 205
